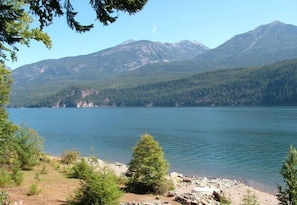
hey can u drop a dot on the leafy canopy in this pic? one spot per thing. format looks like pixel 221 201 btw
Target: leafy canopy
pixel 148 167
pixel 16 28
pixel 17 18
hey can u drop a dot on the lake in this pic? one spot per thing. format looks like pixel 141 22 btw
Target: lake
pixel 246 143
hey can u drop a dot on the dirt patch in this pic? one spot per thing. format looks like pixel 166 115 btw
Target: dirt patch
pixel 54 187
pixel 147 198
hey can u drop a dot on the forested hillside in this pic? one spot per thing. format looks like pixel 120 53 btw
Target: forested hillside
pixel 274 84
pixel 138 66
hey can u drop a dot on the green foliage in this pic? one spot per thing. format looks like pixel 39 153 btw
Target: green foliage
pixel 288 194
pixel 8 177
pixel 82 170
pixel 3 197
pixel 5 82
pixel 70 156
pixel 16 19
pixel 44 169
pixel 222 198
pixel 33 190
pixel 250 199
pixel 27 147
pixel 19 146
pixel 225 201
pixel 104 11
pixel 37 176
pixel 98 188
pixel 5 177
pixel 17 175
pixel 16 28
pixel 148 167
pixel 274 84
pixel 6 128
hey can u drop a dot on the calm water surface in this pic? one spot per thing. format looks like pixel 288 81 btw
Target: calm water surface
pixel 247 143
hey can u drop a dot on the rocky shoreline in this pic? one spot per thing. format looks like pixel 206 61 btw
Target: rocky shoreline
pixel 195 190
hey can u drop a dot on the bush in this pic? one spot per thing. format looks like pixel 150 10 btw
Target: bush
pixel 164 186
pixel 44 169
pixel 148 167
pixel 17 175
pixel 33 190
pixel 250 199
pixel 28 147
pixel 222 198
pixel 3 197
pixel 69 157
pixel 8 177
pixel 82 170
pixel 5 178
pixel 97 188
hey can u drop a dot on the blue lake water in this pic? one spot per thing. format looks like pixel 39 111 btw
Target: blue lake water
pixel 247 143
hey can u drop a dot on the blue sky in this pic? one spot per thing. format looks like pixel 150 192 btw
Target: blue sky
pixel 210 22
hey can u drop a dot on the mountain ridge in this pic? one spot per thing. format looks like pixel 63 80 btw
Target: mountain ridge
pixel 275 35
pixel 120 58
pixel 145 62
pixel 273 84
pixel 242 50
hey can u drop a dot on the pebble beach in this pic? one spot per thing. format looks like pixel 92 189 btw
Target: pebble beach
pixel 199 190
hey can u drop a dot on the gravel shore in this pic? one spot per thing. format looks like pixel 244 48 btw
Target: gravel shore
pixel 200 189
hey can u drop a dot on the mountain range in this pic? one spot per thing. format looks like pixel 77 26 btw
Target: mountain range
pixel 122 58
pixel 136 63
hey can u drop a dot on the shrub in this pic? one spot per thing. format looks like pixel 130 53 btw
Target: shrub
pixel 250 199
pixel 5 178
pixel 164 186
pixel 148 167
pixel 222 198
pixel 28 147
pixel 44 169
pixel 98 188
pixel 3 197
pixel 70 156
pixel 33 190
pixel 17 175
pixel 82 170
pixel 37 176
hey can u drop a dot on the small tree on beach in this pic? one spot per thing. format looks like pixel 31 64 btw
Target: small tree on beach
pixel 148 167
pixel 250 199
pixel 98 187
pixel 288 195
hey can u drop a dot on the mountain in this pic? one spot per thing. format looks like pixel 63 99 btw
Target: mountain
pixel 273 84
pixel 266 44
pixel 122 58
pixel 135 63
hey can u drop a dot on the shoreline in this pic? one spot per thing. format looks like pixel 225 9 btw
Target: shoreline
pixel 201 188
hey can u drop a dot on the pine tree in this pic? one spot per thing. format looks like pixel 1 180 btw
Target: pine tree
pixel 148 167
pixel 288 195
pixel 7 128
pixel 98 188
